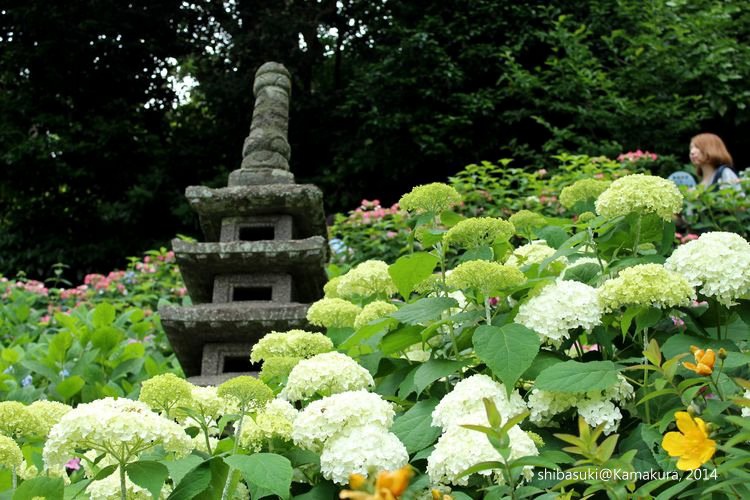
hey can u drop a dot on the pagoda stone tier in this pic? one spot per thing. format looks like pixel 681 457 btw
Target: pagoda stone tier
pixel 264 258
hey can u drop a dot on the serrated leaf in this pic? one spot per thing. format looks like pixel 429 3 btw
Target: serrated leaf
pixel 410 270
pixel 70 386
pixel 267 473
pixel 44 487
pixel 573 376
pixel 103 315
pixel 400 339
pixel 423 310
pixel 414 428
pixel 148 474
pixel 433 370
pixel 508 350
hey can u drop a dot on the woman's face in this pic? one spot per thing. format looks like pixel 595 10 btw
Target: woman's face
pixel 697 157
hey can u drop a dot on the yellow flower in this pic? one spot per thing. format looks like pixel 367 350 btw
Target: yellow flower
pixel 691 444
pixel 389 485
pixel 704 361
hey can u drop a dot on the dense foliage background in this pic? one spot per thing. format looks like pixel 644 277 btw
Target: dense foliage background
pixel 96 147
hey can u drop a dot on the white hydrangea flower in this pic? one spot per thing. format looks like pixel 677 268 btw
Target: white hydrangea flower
pixel 359 449
pixel 600 411
pixel 109 489
pixel 595 407
pixel 543 405
pixel 322 419
pixel 460 448
pixel 199 442
pixel 560 308
pixel 108 424
pixel 466 399
pixel 717 262
pixel 325 374
pixel 746 409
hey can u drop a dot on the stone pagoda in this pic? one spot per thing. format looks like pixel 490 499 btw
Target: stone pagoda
pixel 263 260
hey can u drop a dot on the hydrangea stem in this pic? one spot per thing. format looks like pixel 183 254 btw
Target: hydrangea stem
pixel 123 485
pixel 13 478
pixel 237 433
pixel 637 241
pixel 488 317
pixel 645 372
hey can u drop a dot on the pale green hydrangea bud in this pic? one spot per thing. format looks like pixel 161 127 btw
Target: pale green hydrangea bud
pixel 366 279
pixel 432 198
pixel 164 393
pixel 17 421
pixel 485 277
pixel 586 217
pixel 642 194
pixel 372 311
pixel 330 289
pixel 48 413
pixel 247 392
pixel 275 421
pixel 206 401
pixel 582 190
pixel 479 231
pixel 645 285
pixel 535 253
pixel 277 369
pixel 525 220
pixel 333 313
pixel 26 471
pixel 291 344
pixel 10 453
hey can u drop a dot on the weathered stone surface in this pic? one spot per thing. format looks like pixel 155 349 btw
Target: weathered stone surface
pixel 304 202
pixel 304 260
pixel 190 328
pixel 253 287
pixel 246 176
pixel 232 228
pixel 226 358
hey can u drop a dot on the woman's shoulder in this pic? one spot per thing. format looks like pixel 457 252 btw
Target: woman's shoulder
pixel 728 175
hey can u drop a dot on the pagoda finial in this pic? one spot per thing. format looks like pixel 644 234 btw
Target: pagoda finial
pixel 266 151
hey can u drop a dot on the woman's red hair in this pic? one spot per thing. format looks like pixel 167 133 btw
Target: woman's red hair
pixel 713 147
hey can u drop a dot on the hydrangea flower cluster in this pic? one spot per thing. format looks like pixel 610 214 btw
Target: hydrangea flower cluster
pixel 459 448
pixel 333 313
pixel 108 424
pixel 525 220
pixel 366 279
pixel 10 454
pixel 372 311
pixel 560 308
pixel 165 393
pixel 248 393
pixel 48 413
pixel 596 407
pixel 645 285
pixel 581 191
pixel 433 198
pixel 717 262
pixel 275 421
pixel 640 193
pixel 485 277
pixel 535 253
pixel 466 399
pixel 350 431
pixel 479 231
pixel 293 344
pixel 16 421
pixel 324 375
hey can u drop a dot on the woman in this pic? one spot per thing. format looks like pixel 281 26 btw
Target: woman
pixel 712 161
